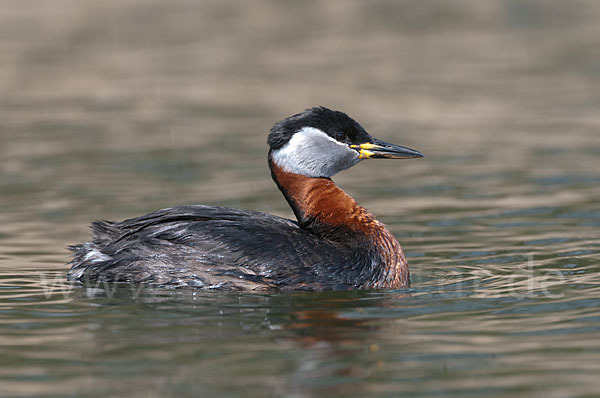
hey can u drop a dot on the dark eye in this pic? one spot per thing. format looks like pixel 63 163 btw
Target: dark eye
pixel 340 136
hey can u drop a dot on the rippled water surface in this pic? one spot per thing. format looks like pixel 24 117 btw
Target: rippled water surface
pixel 116 108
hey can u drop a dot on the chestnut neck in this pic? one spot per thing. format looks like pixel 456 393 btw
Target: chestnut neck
pixel 324 209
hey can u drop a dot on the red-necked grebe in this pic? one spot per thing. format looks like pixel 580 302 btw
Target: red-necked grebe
pixel 335 244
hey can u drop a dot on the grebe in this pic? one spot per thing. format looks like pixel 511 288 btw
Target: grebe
pixel 334 245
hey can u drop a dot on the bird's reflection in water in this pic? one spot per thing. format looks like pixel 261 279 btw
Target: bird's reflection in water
pixel 321 333
pixel 328 332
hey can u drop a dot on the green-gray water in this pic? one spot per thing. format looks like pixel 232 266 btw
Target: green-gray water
pixel 113 109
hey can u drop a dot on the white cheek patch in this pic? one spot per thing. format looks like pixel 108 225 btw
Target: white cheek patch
pixel 313 153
